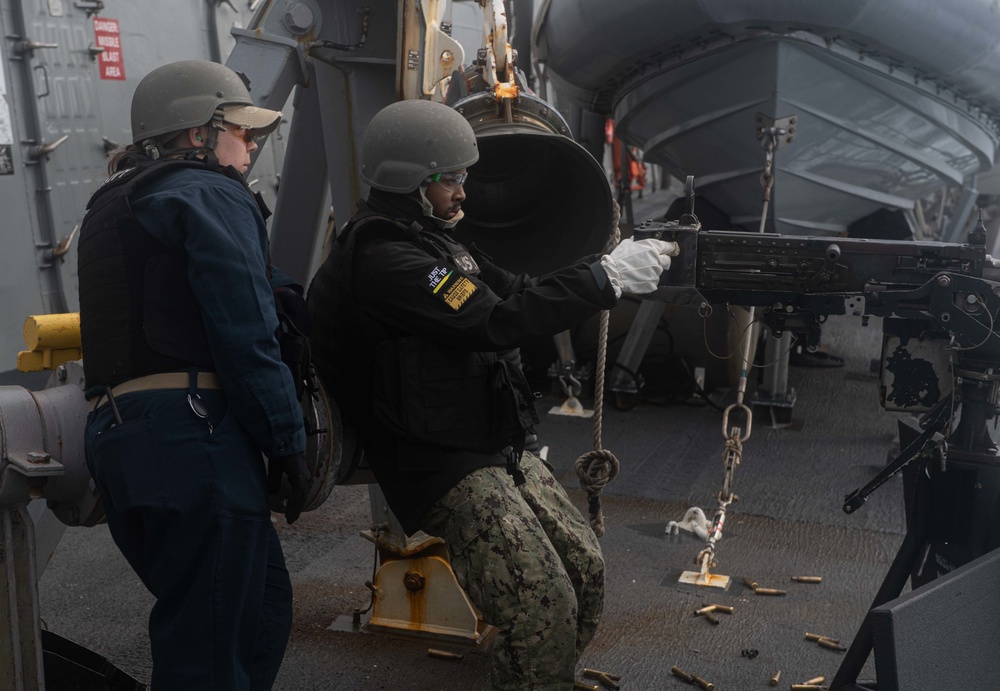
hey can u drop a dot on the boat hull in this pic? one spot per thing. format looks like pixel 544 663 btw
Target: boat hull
pixel 872 131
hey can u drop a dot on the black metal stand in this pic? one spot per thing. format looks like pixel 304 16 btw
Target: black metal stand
pixel 967 484
pixel 917 532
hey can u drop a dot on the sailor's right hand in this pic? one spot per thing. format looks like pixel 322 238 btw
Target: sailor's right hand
pixel 634 266
pixel 295 468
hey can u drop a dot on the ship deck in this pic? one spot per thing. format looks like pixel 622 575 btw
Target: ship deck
pixel 788 522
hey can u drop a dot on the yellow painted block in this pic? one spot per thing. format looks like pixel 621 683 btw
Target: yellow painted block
pixel 52 331
pixel 38 361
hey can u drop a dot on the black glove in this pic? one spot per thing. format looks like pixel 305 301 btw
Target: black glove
pixel 292 335
pixel 294 467
pixel 290 302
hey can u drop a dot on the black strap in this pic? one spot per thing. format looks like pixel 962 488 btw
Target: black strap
pixel 513 454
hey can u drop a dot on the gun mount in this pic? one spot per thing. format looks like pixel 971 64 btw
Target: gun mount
pixel 940 305
pixel 938 300
pixel 951 289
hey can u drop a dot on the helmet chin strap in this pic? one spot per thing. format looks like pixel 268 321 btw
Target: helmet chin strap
pixel 208 148
pixel 428 209
pixel 157 149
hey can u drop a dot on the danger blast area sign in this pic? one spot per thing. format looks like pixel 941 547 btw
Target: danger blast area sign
pixel 108 38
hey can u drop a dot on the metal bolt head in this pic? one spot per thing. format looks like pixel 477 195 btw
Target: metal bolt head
pixel 413 581
pixel 944 281
pixel 447 56
pixel 298 18
pixel 38 457
pixel 61 373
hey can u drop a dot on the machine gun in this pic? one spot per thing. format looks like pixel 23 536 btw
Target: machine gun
pixel 940 306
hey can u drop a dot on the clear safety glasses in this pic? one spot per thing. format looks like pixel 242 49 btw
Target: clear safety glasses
pixel 450 181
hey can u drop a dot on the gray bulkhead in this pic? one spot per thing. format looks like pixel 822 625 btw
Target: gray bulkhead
pixel 64 104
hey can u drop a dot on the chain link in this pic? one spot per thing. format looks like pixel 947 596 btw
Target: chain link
pixel 734 436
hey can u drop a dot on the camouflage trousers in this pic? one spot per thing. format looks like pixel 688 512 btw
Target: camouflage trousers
pixel 531 564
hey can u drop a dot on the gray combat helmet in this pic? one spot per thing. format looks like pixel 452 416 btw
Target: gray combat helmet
pixel 187 94
pixel 408 141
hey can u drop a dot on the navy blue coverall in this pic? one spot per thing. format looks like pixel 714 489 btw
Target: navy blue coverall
pixel 185 497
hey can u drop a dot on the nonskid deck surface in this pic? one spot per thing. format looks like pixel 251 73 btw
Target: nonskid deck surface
pixel 788 522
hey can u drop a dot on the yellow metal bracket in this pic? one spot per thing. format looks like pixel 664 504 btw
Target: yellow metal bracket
pixel 52 340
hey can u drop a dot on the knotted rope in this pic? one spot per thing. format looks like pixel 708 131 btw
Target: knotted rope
pixel 599 467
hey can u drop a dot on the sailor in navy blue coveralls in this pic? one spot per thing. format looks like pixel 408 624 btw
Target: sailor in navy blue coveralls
pixel 180 471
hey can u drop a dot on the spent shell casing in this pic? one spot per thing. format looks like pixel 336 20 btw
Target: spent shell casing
pixel 807 579
pixel 609 680
pixel 770 591
pixel 816 637
pixel 723 608
pixel 707 685
pixel 831 644
pixel 678 672
pixel 580 686
pixel 708 609
pixel 444 654
pixel 816 680
pixel 750 584
pixel 776 678
pixel 712 618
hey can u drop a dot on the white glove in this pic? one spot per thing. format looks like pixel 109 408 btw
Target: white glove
pixel 635 266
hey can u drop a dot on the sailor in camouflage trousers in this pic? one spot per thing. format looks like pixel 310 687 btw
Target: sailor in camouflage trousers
pixel 531 564
pixel 416 333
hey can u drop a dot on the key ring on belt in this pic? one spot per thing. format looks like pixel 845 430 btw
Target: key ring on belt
pixel 195 402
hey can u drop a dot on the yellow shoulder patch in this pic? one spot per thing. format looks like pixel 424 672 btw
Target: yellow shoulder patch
pixel 460 290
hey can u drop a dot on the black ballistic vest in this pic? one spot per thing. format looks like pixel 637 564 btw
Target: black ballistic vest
pixel 418 391
pixel 138 313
